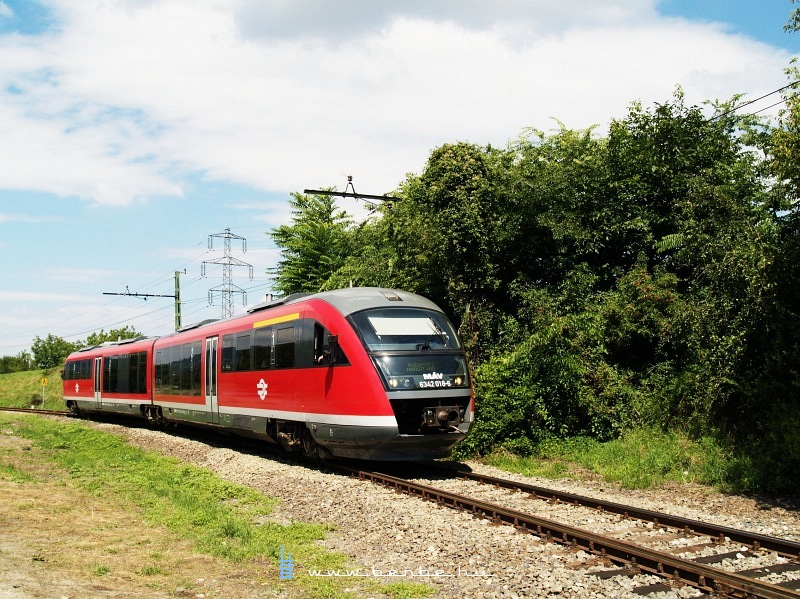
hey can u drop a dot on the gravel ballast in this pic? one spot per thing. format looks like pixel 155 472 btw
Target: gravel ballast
pixel 391 537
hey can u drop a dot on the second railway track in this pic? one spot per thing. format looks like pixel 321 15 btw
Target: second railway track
pixel 680 551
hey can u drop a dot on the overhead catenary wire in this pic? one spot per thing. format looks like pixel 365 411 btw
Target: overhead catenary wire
pixel 132 315
pixel 767 108
pixel 772 93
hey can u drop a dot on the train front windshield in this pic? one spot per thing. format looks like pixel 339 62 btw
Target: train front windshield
pixel 413 348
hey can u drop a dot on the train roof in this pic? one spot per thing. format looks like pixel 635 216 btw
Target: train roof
pixel 354 299
pixel 346 301
pixel 115 343
pixel 197 325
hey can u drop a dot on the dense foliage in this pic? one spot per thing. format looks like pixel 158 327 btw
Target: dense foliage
pixel 643 278
pixel 19 363
pixel 51 351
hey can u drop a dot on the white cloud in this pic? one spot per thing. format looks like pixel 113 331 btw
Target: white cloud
pixel 127 99
pixel 345 19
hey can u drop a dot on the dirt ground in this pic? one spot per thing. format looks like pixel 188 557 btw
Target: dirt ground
pixel 57 541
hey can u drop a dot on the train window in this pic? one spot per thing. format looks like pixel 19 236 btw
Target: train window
pixel 227 353
pixel 123 367
pixel 163 363
pixel 79 369
pixel 405 329
pixel 175 370
pixel 323 353
pixel 110 370
pixel 186 368
pixel 284 347
pixel 262 349
pixel 131 374
pixel 197 347
pixel 126 373
pixel 243 352
pixel 285 335
pixel 139 374
pixel 319 341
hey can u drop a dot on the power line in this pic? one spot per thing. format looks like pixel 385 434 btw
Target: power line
pixel 777 91
pixel 768 107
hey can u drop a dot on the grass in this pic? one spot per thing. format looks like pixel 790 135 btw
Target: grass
pixel 407 590
pixel 13 474
pixel 221 519
pixel 639 459
pixel 219 516
pixel 24 389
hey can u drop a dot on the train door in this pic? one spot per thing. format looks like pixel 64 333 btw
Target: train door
pixel 212 344
pixel 98 395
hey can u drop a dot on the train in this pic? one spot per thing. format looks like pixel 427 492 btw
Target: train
pixel 363 372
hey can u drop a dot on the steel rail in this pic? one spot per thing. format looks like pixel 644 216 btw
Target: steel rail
pixel 634 558
pixel 37 411
pixel 756 541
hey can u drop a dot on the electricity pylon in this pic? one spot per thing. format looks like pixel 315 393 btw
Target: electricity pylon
pixel 228 288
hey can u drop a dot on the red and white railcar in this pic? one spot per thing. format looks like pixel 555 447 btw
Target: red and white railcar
pixel 110 377
pixel 363 372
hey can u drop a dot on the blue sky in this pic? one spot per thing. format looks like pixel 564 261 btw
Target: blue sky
pixel 132 130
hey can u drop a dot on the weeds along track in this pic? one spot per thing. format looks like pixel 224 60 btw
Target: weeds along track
pixel 610 539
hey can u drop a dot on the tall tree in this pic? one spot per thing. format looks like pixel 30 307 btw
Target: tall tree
pixel 313 247
pixel 51 351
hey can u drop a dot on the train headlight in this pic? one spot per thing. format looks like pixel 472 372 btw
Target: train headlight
pixel 458 381
pixel 393 383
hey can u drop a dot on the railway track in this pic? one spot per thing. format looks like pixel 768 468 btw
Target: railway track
pixel 676 564
pixel 38 411
pixel 755 541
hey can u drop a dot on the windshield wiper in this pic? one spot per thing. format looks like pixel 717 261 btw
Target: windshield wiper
pixel 437 332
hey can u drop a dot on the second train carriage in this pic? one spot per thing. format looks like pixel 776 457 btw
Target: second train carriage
pixel 113 377
pixel 363 372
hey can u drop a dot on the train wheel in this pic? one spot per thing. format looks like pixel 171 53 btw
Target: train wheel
pixel 310 447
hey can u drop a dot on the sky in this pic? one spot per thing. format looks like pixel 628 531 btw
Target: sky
pixel 136 134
